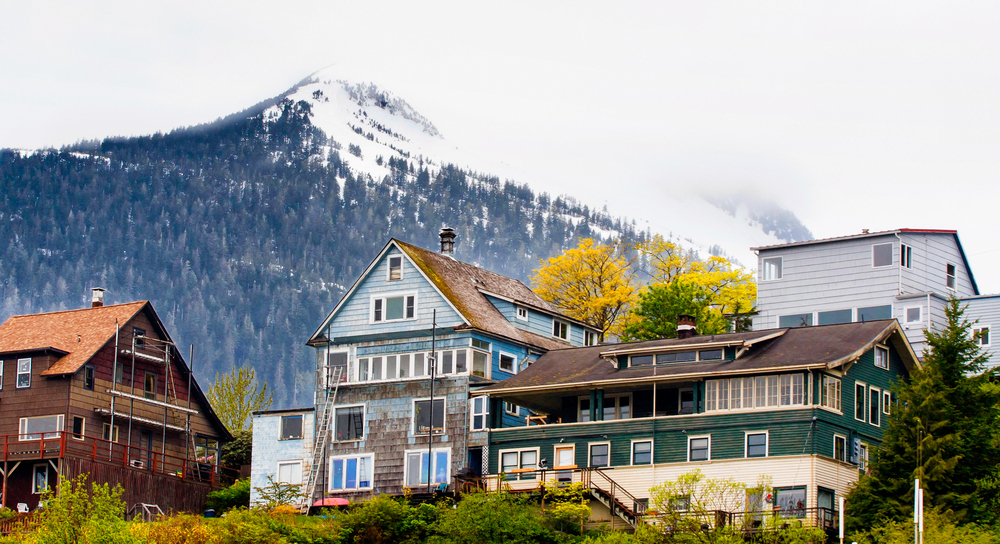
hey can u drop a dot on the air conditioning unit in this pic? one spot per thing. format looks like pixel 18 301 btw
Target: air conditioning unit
pixel 137 463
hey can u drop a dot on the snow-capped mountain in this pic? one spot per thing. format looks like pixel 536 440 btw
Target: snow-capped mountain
pixel 369 124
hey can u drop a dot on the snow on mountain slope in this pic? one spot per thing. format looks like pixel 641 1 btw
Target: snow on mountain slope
pixel 371 123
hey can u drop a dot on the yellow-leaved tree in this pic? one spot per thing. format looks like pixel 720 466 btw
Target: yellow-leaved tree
pixel 592 282
pixel 236 395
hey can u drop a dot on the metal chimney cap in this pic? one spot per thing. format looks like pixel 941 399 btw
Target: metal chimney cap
pixel 447 236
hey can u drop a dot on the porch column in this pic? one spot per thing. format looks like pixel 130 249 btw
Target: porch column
pixel 600 405
pixel 593 405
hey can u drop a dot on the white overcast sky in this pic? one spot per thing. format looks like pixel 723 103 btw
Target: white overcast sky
pixel 852 114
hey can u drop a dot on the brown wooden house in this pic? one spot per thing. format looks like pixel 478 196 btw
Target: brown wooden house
pixel 104 391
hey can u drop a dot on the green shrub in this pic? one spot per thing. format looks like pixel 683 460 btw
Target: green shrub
pixel 495 518
pixel 230 497
pixel 75 516
pixel 385 519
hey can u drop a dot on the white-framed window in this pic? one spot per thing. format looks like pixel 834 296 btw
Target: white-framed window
pixel 291 427
pixel 905 256
pixel 981 334
pixel 39 478
pixel 479 412
pixel 830 396
pixel 23 373
pixel 419 465
pixel 351 472
pixel 589 337
pixel 599 454
pixel 949 274
pixel 617 407
pixel 860 395
pixel 755 444
pixel 886 402
pixel 699 448
pixel 840 447
pixel 36 428
pixel 401 366
pixel 513 461
pixel 393 307
pixel 560 329
pixel 335 358
pixel 349 423
pixel 881 255
pixel 423 423
pixel 481 363
pixel 771 269
pixel 874 406
pixel 395 271
pixel 511 409
pixel 79 427
pixel 642 452
pixel 882 357
pixel 914 315
pixel 583 409
pixel 508 363
pixel 522 313
pixel 795 320
pixel 863 457
pixel 289 472
pixel 107 435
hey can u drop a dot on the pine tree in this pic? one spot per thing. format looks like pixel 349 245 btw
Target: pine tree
pixel 941 431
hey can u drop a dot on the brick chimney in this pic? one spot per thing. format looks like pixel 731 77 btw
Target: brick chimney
pixel 447 235
pixel 686 326
pixel 98 297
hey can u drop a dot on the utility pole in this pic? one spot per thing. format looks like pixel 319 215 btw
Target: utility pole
pixel 430 428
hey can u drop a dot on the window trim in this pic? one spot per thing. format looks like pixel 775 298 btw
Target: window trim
pixel 18 373
pixel 846 448
pixel 146 374
pixel 519 451
pixel 864 409
pixel 393 294
pixel 746 444
pixel 34 471
pixel 905 255
pixel 590 453
pixel 698 437
pixel 763 268
pixel 277 473
pixel 652 452
pixel 906 315
pixel 413 416
pixel 878 409
pixel 513 357
pixel 840 398
pixel 863 456
pixel 388 267
pixel 364 419
pixel 989 335
pixel 891 262
pixel 563 323
pixel 590 339
pixel 557 446
pixel 431 466
pixel 22 431
pixel 281 424
pixel 115 433
pixel 875 357
pixel 485 413
pixel 83 428
pixel 518 310
pixel 515 413
pixel 886 402
pixel 86 368
pixel 951 278
pixel 359 455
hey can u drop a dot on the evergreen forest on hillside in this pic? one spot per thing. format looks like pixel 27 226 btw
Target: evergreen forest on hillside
pixel 244 233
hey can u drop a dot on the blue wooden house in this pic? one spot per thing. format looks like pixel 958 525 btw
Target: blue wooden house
pixel 379 426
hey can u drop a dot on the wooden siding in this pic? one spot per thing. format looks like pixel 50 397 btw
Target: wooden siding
pixel 931 254
pixel 168 492
pixel 354 315
pixel 48 395
pixel 388 424
pixel 985 312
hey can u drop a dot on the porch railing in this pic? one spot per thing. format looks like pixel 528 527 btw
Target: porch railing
pixel 65 444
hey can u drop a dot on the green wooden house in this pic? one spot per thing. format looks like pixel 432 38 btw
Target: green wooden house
pixel 801 406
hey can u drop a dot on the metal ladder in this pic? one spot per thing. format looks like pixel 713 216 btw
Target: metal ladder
pixel 324 417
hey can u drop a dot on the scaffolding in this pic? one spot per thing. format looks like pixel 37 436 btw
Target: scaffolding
pixel 175 416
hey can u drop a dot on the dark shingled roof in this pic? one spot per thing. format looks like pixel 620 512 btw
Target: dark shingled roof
pixel 805 347
pixel 463 284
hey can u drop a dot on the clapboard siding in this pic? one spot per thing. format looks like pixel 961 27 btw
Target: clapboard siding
pixel 354 316
pixel 931 254
pixel 985 312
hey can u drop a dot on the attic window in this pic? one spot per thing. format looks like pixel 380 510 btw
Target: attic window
pixel 393 308
pixel 681 357
pixel 140 336
pixel 560 329
pixel 522 313
pixel 950 276
pixel 395 268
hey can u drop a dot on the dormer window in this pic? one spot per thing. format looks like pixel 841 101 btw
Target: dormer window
pixel 395 268
pixel 522 313
pixel 560 329
pixel 393 308
pixel 589 338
